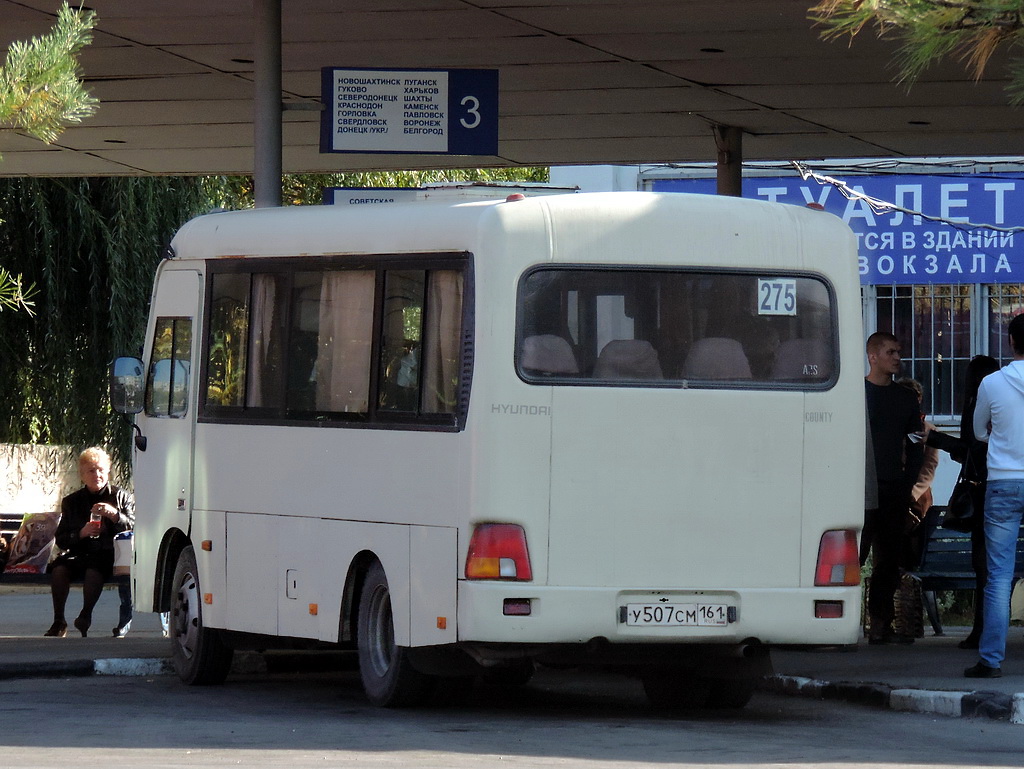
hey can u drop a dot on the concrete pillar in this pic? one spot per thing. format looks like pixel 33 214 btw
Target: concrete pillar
pixel 729 143
pixel 267 104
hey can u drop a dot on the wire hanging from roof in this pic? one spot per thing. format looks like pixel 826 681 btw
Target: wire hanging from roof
pixel 879 206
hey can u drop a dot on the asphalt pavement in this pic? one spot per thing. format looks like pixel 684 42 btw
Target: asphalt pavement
pixel 926 676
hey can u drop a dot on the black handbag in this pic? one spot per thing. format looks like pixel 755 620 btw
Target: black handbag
pixel 960 510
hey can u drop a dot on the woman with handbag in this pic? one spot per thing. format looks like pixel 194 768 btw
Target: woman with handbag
pixel 966 509
pixel 975 461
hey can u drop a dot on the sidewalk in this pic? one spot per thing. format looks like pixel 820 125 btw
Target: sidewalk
pixel 925 677
pixel 25 614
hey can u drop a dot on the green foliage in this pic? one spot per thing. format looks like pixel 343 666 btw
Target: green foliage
pixel 40 93
pixel 307 189
pixel 929 30
pixel 90 246
pixel 40 87
pixel 14 294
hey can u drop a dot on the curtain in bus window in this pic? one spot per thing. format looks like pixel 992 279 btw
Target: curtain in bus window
pixel 266 335
pixel 442 332
pixel 303 333
pixel 346 327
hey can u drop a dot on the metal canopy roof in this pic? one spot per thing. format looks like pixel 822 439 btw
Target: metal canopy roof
pixel 581 81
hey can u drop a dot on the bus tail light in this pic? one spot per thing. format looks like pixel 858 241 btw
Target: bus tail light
pixel 838 559
pixel 498 551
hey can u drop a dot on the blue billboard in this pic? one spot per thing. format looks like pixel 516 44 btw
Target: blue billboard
pixel 899 248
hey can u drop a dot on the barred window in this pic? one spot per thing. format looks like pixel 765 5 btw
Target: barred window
pixel 933 324
pixel 1004 301
pixel 940 332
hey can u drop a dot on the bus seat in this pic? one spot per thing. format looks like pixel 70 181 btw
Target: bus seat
pixel 716 357
pixel 802 359
pixel 628 359
pixel 547 354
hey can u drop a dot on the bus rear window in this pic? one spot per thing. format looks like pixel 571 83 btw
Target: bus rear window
pixel 679 328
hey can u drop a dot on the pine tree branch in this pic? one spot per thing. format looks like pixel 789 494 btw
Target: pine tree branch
pixel 930 30
pixel 40 82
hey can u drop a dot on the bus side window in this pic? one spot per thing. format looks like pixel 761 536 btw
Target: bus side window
pixel 401 340
pixel 169 368
pixel 228 340
pixel 420 341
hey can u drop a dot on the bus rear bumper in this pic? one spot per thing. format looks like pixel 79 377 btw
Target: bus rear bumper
pixel 494 612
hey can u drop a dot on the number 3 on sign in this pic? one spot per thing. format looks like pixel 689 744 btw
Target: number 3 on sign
pixel 776 296
pixel 473 111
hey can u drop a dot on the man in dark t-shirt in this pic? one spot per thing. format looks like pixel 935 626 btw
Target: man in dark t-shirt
pixel 893 415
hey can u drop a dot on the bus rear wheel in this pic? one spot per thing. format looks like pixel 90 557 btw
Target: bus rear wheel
pixel 676 690
pixel 198 654
pixel 731 694
pixel 389 678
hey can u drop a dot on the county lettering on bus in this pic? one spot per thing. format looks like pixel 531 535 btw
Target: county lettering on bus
pixel 898 247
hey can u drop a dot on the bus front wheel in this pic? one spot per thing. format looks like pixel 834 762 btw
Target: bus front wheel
pixel 199 655
pixel 389 678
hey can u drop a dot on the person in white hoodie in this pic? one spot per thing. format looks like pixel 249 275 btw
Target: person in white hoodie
pixel 999 419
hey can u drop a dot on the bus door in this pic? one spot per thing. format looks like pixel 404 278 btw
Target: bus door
pixel 163 472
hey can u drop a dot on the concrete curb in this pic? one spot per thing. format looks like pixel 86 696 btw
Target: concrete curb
pixel 59 669
pixel 956 704
pixel 244 663
pixel 132 667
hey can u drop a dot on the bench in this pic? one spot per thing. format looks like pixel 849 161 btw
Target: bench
pixel 946 564
pixel 9 525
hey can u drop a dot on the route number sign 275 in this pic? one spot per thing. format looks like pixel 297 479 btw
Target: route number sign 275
pixel 776 296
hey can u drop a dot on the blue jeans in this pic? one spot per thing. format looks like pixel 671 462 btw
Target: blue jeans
pixel 1004 504
pixel 124 593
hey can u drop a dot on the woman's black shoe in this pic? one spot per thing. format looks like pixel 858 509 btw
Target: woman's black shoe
pixel 58 629
pixel 971 642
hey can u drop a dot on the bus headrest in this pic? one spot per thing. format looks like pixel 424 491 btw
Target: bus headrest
pixel 628 359
pixel 548 354
pixel 716 357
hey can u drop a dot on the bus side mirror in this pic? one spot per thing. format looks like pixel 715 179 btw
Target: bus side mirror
pixel 126 385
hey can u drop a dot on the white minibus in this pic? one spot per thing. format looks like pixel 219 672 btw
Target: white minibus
pixel 621 430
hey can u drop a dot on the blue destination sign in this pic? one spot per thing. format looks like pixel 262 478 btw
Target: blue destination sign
pixel 422 111
pixel 894 247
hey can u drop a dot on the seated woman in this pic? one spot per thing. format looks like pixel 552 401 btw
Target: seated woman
pixel 90 517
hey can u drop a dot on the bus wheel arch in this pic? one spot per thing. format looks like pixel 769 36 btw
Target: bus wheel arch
pixel 388 675
pixel 357 570
pixel 174 541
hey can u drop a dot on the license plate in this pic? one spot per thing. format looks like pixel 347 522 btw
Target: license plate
pixel 677 614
